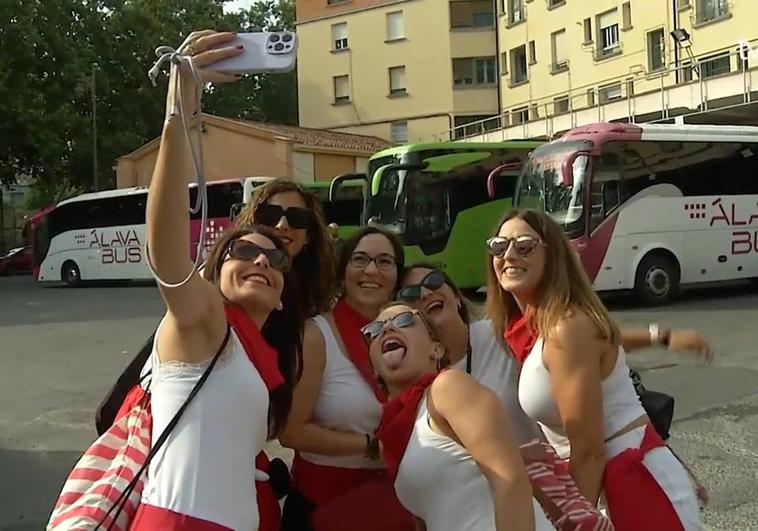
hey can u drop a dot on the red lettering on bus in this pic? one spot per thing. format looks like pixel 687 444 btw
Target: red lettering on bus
pixel 723 216
pixel 744 242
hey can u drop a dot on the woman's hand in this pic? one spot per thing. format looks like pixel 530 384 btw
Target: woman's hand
pixel 692 342
pixel 205 48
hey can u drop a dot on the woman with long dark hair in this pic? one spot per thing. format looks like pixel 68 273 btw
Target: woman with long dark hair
pixel 244 307
pixel 337 404
pixel 575 381
pixel 294 213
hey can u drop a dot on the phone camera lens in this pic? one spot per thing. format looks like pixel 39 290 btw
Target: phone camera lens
pixel 287 37
pixel 278 47
pixel 274 38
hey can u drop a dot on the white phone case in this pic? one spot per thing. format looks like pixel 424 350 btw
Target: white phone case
pixel 273 52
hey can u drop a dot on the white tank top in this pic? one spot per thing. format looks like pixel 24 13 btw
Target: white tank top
pixel 206 467
pixel 345 402
pixel 496 369
pixel 439 482
pixel 621 405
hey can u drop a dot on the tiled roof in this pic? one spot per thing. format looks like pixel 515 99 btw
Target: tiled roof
pixel 322 138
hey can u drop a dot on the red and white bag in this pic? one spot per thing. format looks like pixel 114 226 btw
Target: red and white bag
pixel 555 490
pixel 104 489
pixel 97 491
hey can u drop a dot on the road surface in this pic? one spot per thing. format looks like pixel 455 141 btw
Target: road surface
pixel 61 349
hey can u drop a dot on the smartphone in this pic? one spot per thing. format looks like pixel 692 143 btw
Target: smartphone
pixel 266 52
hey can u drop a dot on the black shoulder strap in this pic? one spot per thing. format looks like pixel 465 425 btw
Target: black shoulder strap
pixel 121 501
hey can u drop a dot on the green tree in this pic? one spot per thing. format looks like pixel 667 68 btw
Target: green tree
pixel 49 48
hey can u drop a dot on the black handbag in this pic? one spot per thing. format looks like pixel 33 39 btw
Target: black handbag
pixel 658 406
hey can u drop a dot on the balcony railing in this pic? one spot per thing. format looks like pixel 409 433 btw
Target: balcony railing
pixel 688 89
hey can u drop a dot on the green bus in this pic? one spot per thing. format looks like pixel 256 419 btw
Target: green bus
pixel 435 197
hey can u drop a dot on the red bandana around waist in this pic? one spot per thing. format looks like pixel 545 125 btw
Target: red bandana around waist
pixel 398 418
pixel 261 354
pixel 635 499
pixel 349 323
pixel 520 337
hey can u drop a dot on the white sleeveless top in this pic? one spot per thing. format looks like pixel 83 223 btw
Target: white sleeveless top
pixel 621 405
pixel 206 467
pixel 439 482
pixel 345 402
pixel 495 368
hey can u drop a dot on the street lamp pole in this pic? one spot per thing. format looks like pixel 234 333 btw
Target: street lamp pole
pixel 94 129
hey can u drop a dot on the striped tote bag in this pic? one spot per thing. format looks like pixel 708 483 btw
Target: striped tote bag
pixel 555 490
pixel 105 487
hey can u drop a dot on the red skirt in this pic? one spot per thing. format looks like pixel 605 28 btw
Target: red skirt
pixel 151 518
pixel 635 499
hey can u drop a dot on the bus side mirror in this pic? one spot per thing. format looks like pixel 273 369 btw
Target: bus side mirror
pixel 567 169
pixel 511 168
pixel 235 210
pixel 338 180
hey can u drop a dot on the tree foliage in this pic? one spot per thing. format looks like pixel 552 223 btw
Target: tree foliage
pixel 49 49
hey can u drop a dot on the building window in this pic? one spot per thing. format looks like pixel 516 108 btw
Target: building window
pixel 339 36
pixel 471 14
pixel 715 65
pixel 708 10
pixel 399 132
pixel 558 44
pixel 474 71
pixel 611 93
pixel 516 11
pixel 587 30
pixel 520 116
pixel 480 123
pixel 561 105
pixel 397 81
pixel 341 89
pixel 519 66
pixel 682 4
pixel 503 63
pixel 332 2
pixel 395 26
pixel 591 97
pixel 555 3
pixel 532 53
pixel 608 33
pixel 626 15
pixel 655 50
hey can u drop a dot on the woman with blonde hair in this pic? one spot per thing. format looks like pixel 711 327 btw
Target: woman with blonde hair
pixel 446 438
pixel 575 381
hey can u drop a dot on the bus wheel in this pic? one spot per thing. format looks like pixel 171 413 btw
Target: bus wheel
pixel 657 280
pixel 70 273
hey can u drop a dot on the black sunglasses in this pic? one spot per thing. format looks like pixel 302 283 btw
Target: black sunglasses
pixel 375 328
pixel 297 217
pixel 412 293
pixel 246 250
pixel 524 245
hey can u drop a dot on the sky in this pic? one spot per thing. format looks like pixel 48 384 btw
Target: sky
pixel 236 5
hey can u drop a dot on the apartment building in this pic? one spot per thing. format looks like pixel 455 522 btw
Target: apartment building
pixel 397 69
pixel 409 70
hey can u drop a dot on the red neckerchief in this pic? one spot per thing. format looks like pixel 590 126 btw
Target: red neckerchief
pixel 520 337
pixel 349 324
pixel 398 418
pixel 261 354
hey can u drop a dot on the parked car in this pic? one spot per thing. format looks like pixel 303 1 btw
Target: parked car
pixel 18 260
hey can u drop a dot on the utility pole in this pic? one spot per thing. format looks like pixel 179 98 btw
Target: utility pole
pixel 94 130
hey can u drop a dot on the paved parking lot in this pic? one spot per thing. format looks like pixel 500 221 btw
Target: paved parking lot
pixel 61 349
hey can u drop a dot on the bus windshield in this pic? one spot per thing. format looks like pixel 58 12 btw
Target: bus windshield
pixel 382 206
pixel 544 186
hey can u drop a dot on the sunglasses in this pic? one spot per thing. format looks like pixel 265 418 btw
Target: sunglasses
pixel 402 320
pixel 297 217
pixel 246 250
pixel 412 293
pixel 524 245
pixel 384 262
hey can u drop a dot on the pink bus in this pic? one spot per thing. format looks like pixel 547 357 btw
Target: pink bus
pixel 651 207
pixel 101 235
